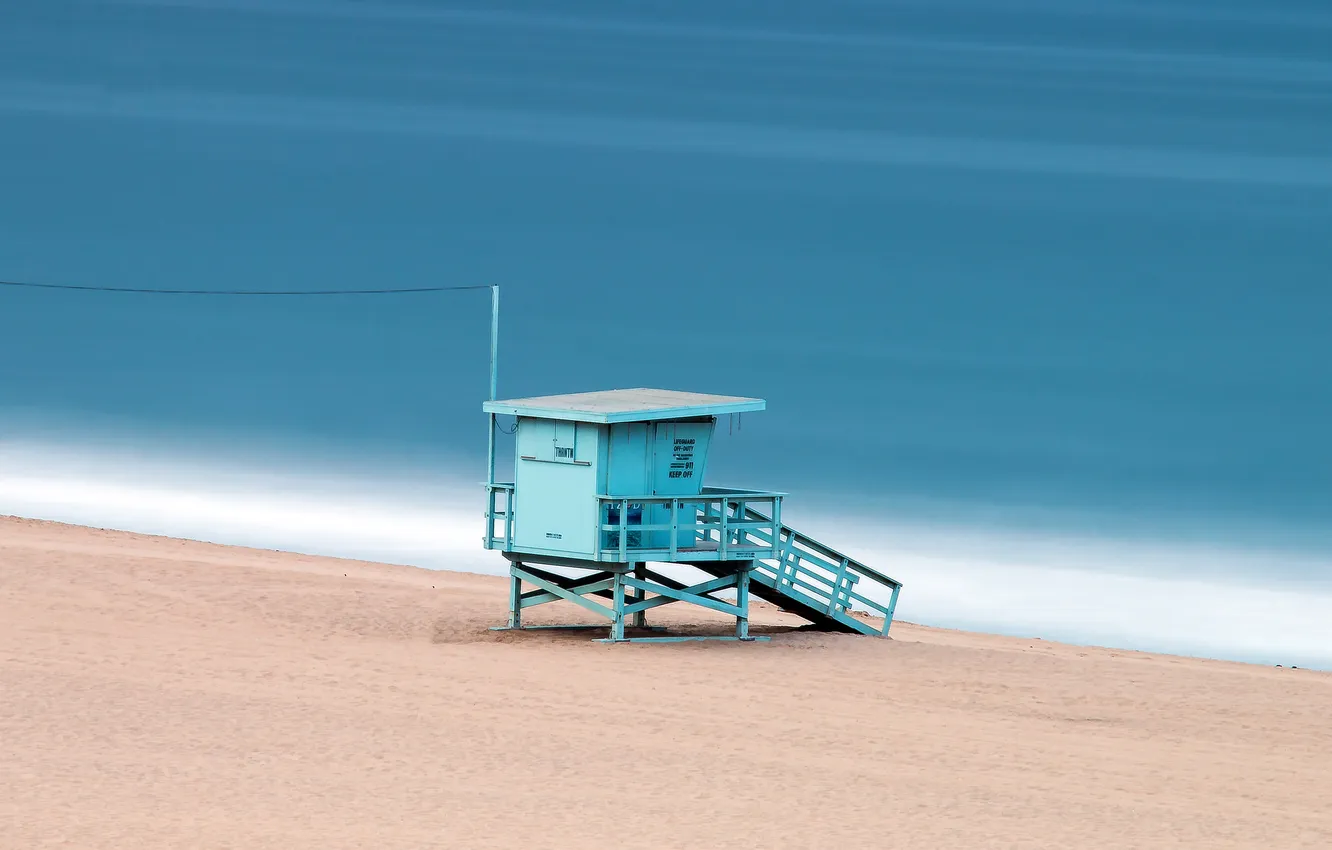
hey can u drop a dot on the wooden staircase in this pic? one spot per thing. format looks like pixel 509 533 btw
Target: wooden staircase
pixel 816 582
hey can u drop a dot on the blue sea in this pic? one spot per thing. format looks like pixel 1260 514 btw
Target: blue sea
pixel 1037 292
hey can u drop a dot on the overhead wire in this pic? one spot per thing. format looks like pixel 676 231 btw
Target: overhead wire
pixel 134 290
pixel 240 292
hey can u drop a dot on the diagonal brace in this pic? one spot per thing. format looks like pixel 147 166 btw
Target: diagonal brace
pixel 692 591
pixel 540 597
pixel 565 581
pixel 563 593
pixel 685 596
pixel 597 584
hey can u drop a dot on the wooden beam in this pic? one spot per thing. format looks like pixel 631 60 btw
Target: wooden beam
pixel 555 589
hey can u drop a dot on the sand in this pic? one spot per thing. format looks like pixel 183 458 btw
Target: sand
pixel 163 693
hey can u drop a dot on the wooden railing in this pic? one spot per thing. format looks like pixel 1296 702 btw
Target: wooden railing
pixel 725 525
pixel 716 525
pixel 499 512
pixel 823 578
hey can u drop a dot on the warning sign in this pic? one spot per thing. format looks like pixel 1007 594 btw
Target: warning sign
pixel 680 454
pixel 682 459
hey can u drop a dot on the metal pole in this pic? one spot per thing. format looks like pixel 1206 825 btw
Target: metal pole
pixel 494 374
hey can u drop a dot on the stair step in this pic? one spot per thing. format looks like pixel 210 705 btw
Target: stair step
pixel 818 583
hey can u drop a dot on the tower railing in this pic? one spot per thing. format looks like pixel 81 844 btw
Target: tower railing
pixel 726 525
pixel 719 524
pixel 499 509
pixel 825 579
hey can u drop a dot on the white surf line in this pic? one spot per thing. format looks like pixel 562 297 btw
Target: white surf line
pixel 1155 596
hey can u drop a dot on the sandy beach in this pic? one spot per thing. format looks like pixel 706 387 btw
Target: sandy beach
pixel 165 693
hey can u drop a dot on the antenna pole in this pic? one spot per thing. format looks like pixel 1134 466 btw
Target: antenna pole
pixel 494 372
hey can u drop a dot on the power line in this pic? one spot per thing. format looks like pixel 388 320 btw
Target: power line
pixel 240 292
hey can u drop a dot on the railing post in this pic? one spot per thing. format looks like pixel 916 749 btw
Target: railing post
pixel 838 579
pixel 724 532
pixel 892 606
pixel 675 527
pixel 490 515
pixel 788 561
pixel 509 512
pixel 776 524
pixel 624 530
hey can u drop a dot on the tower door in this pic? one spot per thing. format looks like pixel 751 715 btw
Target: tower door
pixel 679 455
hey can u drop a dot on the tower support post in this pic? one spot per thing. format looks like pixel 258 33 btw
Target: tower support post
pixel 742 601
pixel 640 616
pixel 515 598
pixel 617 603
pixel 619 593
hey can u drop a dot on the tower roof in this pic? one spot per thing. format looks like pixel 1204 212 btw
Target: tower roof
pixel 633 405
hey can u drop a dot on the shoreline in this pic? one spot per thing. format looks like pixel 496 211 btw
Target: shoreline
pixel 758 605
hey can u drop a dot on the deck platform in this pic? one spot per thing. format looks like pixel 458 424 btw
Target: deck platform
pixel 733 542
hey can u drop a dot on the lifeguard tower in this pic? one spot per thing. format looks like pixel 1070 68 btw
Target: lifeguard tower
pixel 606 483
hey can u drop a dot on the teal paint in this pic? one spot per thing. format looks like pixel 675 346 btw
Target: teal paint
pixel 892 606
pixel 608 482
pixel 640 572
pixel 557 470
pixel 494 375
pixel 617 621
pixel 701 600
pixel 629 469
pixel 515 601
pixel 679 457
pixel 678 464
pixel 742 603
pixel 679 593
pixel 558 590
pixel 584 588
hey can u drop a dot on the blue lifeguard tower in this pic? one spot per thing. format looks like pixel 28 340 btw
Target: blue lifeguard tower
pixel 606 483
